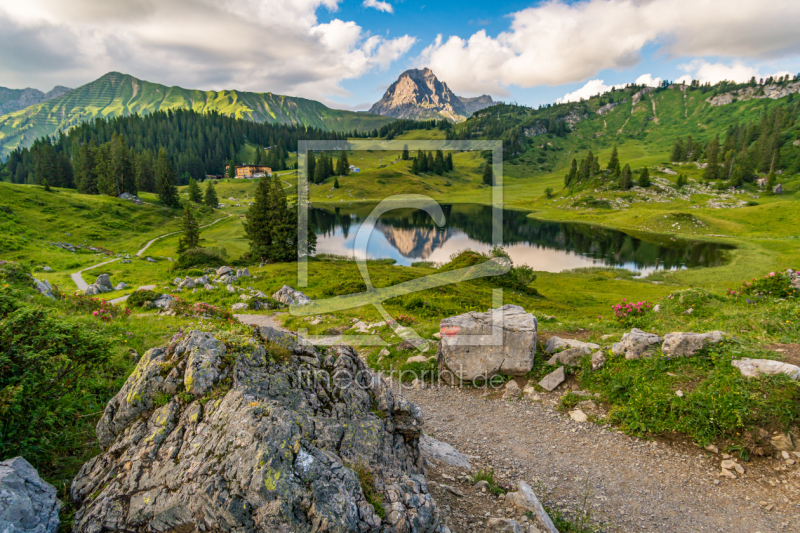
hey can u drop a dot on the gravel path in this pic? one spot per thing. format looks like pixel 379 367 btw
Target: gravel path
pixel 78 279
pixel 146 246
pixel 630 484
pixel 121 299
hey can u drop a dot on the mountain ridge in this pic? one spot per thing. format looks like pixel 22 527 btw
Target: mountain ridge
pixel 116 94
pixel 15 99
pixel 419 94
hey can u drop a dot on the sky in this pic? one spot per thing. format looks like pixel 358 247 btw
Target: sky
pixel 345 53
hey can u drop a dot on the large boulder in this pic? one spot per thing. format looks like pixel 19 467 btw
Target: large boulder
pixel 93 290
pixel 436 451
pixel 27 502
pixel 289 296
pixel 555 344
pixel 687 344
pixel 755 367
pixel 469 350
pixel 105 282
pixel 223 270
pixel 44 287
pixel 637 343
pixel 570 356
pixel 283 438
pixel 243 273
pixel 164 301
pixel 187 283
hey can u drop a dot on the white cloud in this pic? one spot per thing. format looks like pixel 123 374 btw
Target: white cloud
pixel 648 80
pixel 556 42
pixel 715 72
pixel 386 7
pixel 192 43
pixel 591 88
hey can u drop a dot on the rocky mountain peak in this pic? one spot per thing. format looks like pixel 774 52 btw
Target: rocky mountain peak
pixel 419 94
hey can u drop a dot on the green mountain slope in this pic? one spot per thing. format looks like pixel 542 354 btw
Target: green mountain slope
pixel 117 94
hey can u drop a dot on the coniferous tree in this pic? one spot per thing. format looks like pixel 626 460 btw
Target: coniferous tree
pixel 260 217
pixel 712 170
pixel 625 178
pixel 430 165
pixel 121 167
pixel 191 231
pixel 336 182
pixel 342 164
pixel 449 162
pixel 488 174
pixel 210 197
pixel 405 152
pixel 145 172
pixel 319 170
pixel 414 166
pixel 422 164
pixel 677 151
pixel 682 181
pixel 572 175
pixel 85 172
pixel 644 178
pixel 613 163
pixel 194 192
pixel 165 178
pixel 311 166
pixel 438 163
pixel 231 169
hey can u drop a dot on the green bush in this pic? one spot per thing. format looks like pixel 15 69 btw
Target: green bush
pixel 47 366
pixel 138 298
pixel 197 257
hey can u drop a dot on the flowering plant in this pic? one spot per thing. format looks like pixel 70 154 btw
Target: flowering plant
pixel 102 309
pixel 630 312
pixel 774 285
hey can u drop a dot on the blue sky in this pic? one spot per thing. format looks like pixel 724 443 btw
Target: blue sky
pixel 345 53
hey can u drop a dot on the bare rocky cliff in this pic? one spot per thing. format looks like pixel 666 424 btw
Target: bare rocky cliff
pixel 419 94
pixel 15 99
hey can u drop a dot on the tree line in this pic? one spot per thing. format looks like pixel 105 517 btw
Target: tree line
pixel 435 162
pixel 196 144
pixel 588 169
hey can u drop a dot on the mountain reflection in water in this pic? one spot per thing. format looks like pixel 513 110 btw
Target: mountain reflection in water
pixel 409 235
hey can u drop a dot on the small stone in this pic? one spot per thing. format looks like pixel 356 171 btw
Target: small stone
pixel 578 416
pixel 679 393
pixel 727 473
pixel 553 379
pixel 512 391
pixel 598 360
pixel 711 448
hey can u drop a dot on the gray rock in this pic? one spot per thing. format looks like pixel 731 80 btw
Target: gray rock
pixel 27 502
pixel 783 442
pixel 408 345
pixel 243 273
pixel 223 270
pixel 47 269
pixel 687 344
pixel 512 391
pixel 288 296
pixel 125 261
pixel 187 283
pixel 756 367
pixel 469 350
pixel 208 287
pixel 503 525
pixel 176 281
pixel 93 290
pixel 241 306
pixel 526 499
pixel 203 280
pixel 570 356
pixel 598 359
pixel 553 379
pixel 164 301
pixel 227 279
pixel 267 451
pixel 150 260
pixel 557 343
pixel 418 359
pixel 205 354
pixel 121 286
pixel 637 343
pixel 230 288
pixel 44 287
pixel 439 452
pixel 104 281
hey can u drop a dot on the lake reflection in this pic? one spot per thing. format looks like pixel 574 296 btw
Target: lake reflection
pixel 410 235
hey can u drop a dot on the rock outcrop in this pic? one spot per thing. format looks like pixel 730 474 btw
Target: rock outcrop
pixel 44 287
pixel 756 367
pixel 681 344
pixel 418 94
pixel 555 344
pixel 260 433
pixel 289 296
pixel 469 350
pixel 27 502
pixel 637 343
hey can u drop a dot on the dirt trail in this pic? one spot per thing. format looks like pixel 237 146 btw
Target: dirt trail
pixel 633 485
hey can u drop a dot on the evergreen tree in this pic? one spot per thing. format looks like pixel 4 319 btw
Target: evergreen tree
pixel 342 165
pixel 682 181
pixel 712 170
pixel 319 172
pixel 336 182
pixel 194 192
pixel 191 231
pixel 625 178
pixel 210 197
pixel 771 179
pixel 430 165
pixel 438 163
pixel 572 175
pixel 405 152
pixel 488 174
pixel 422 164
pixel 414 166
pixel 260 217
pixel 613 163
pixel 46 185
pixel 165 178
pixel 736 180
pixel 677 151
pixel 644 178
pixel 231 169
pixel 449 162
pixel 145 172
pixel 85 172
pixel 311 166
pixel 121 167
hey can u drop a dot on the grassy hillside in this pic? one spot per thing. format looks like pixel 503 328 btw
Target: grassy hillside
pixel 116 94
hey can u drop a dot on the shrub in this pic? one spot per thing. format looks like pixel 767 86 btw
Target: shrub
pixel 631 314
pixel 196 257
pixel 138 298
pixel 102 309
pixel 773 285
